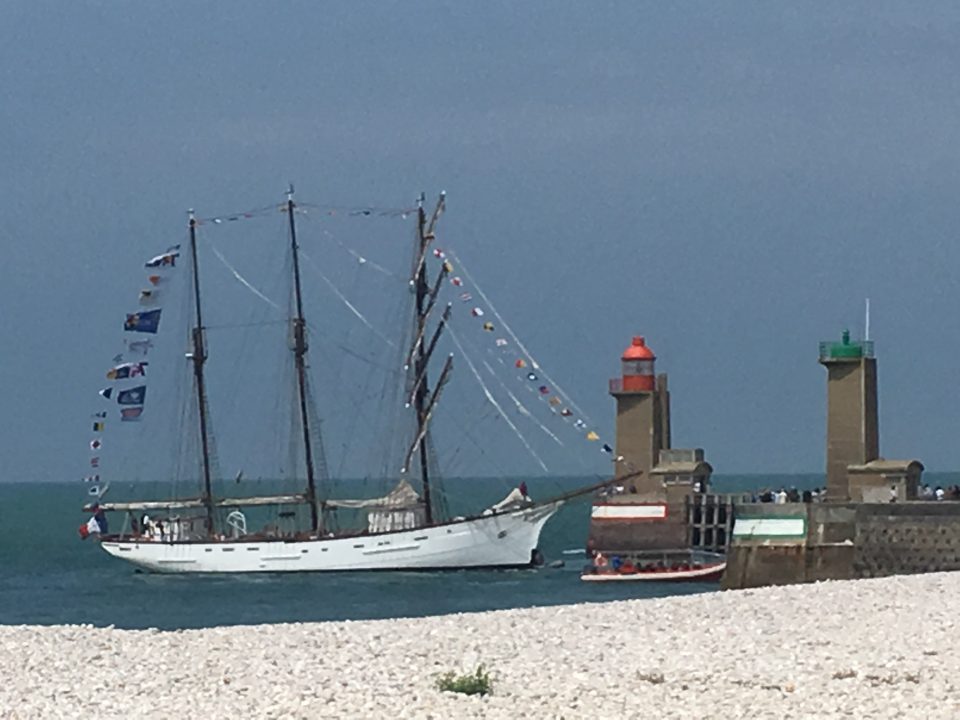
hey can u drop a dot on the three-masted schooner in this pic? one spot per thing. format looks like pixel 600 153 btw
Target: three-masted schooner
pixel 402 530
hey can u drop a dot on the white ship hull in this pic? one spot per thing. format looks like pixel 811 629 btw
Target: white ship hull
pixel 503 540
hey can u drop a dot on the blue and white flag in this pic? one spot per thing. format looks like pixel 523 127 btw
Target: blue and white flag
pixel 145 322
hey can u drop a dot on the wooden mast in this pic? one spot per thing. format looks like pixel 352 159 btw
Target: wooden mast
pixel 199 357
pixel 420 367
pixel 425 298
pixel 300 351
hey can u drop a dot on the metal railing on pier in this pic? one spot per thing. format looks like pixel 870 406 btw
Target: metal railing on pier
pixel 710 519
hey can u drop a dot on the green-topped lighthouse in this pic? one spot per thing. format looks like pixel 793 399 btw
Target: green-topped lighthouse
pixel 855 470
pixel 852 432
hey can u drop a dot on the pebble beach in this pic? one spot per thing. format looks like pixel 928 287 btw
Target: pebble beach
pixel 866 648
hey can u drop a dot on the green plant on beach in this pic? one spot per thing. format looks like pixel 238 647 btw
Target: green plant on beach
pixel 478 682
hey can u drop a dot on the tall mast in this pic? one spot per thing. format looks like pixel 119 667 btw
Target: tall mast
pixel 420 367
pixel 199 357
pixel 300 351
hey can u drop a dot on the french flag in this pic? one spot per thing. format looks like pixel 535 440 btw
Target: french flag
pixel 96 525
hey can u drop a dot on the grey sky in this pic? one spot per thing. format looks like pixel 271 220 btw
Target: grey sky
pixel 730 180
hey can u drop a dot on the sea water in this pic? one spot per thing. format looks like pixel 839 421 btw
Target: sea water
pixel 49 576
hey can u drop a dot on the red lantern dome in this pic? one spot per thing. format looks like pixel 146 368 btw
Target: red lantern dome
pixel 638 366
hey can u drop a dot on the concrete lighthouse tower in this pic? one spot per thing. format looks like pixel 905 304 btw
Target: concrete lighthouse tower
pixel 855 470
pixel 643 412
pixel 852 429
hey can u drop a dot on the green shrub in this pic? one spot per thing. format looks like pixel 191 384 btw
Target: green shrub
pixel 478 682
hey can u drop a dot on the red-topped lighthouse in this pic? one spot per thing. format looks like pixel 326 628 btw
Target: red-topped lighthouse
pixel 648 511
pixel 643 424
pixel 637 365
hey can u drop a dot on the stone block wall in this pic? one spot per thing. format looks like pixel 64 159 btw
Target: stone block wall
pixel 907 538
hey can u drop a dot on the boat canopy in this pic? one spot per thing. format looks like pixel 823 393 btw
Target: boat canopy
pixel 402 496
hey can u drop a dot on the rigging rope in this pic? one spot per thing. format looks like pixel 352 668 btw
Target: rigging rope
pixel 346 302
pixel 493 401
pixel 361 259
pixel 246 283
pixel 252 288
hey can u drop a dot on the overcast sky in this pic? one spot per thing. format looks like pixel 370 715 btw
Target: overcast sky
pixel 730 180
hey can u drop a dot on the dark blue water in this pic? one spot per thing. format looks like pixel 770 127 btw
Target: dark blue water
pixel 49 576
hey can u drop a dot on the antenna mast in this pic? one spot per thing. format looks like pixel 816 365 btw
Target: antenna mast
pixel 866 320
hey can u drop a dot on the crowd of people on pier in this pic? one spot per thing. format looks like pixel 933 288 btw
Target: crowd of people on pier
pixel 939 493
pixel 793 495
pixel 783 495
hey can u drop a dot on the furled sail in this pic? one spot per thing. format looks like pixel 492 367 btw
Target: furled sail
pixel 402 496
pixel 400 509
pixel 515 499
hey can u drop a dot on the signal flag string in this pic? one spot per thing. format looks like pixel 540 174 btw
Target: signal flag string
pixel 560 391
pixel 521 408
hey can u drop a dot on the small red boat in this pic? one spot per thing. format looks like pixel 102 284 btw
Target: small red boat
pixel 675 566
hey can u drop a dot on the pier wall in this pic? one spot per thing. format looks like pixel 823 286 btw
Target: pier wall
pixel 840 541
pixel 632 522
